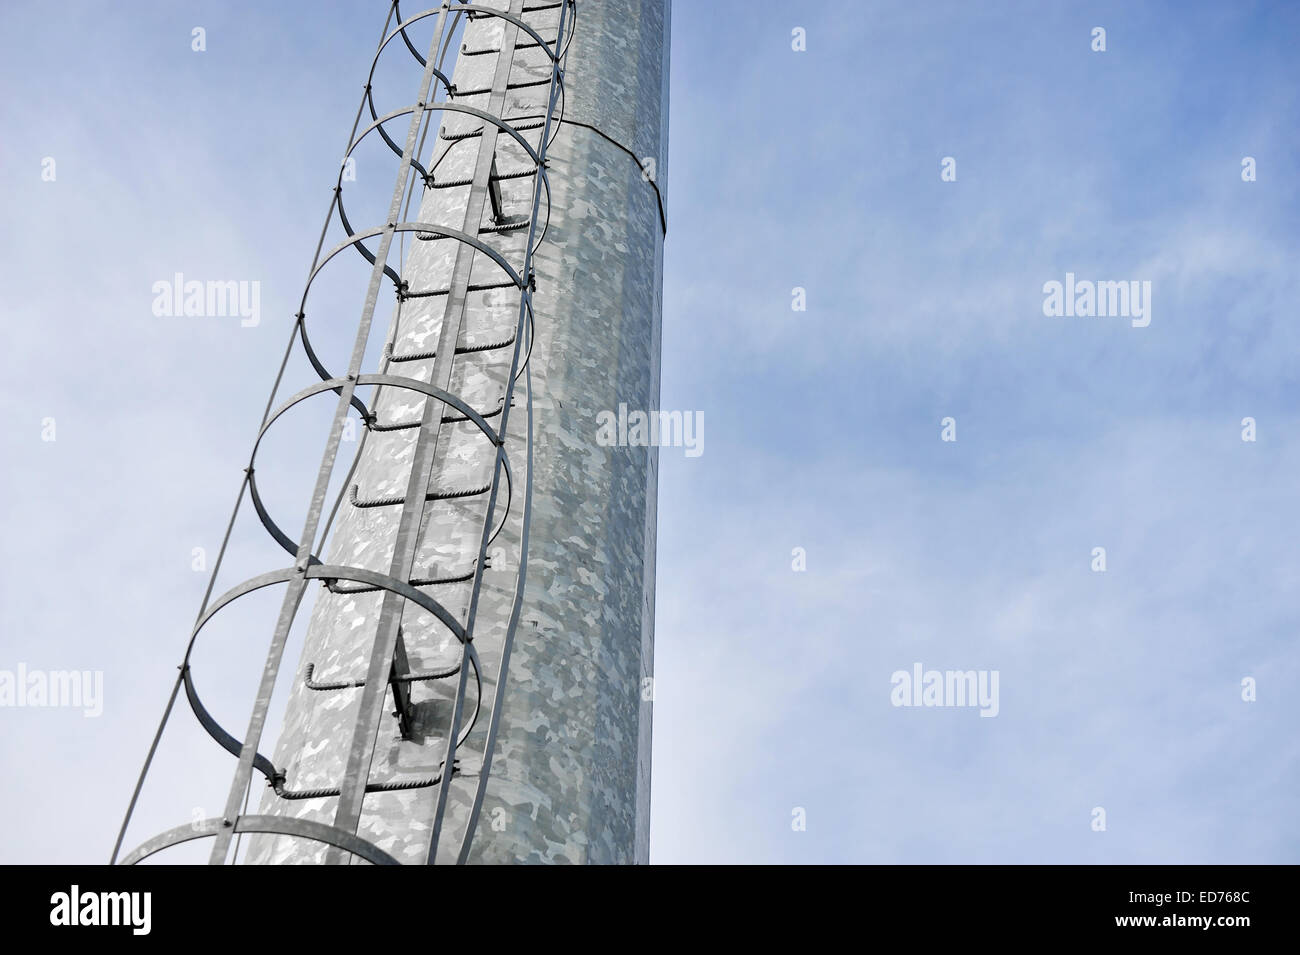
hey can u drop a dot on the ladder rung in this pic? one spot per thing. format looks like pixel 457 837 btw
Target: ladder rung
pixel 521 128
pixel 430 496
pixel 450 419
pixel 504 226
pixel 460 350
pixel 509 86
pixel 358 684
pixel 487 286
pixel 370 787
pixel 537 8
pixel 339 588
pixel 518 46
pixel 448 184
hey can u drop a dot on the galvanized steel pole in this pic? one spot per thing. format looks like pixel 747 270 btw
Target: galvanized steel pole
pixel 476 678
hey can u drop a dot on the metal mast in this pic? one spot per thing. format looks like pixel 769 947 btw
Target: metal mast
pixel 475 681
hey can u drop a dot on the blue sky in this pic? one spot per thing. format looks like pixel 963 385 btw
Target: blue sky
pixel 816 169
